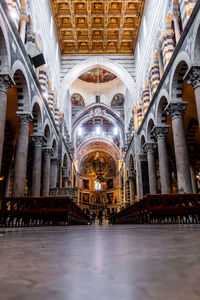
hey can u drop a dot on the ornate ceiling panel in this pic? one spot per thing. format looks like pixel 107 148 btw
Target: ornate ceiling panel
pixel 91 26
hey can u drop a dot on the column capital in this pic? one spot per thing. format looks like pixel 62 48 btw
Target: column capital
pixel 6 82
pixel 143 157
pixel 176 109
pixel 24 117
pixel 47 151
pixel 149 147
pixel 160 131
pixel 193 76
pixel 37 140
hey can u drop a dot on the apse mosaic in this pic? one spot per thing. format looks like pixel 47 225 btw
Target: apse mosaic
pixel 77 100
pixel 118 100
pixel 103 26
pixel 97 75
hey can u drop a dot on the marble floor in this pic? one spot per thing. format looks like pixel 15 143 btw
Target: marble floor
pixel 138 262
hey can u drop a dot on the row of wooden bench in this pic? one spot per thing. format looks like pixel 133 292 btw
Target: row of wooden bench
pixel 33 211
pixel 166 208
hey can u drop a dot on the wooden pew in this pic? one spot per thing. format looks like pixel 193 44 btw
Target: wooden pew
pixel 32 211
pixel 165 208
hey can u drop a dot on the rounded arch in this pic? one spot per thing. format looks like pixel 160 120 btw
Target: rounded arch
pixel 142 142
pixel 91 62
pixel 37 118
pixel 54 147
pixel 160 106
pixel 5 54
pixel 150 126
pixel 160 113
pixel 47 134
pixel 179 69
pixel 23 86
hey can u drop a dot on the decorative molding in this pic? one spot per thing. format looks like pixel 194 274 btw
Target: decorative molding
pixel 6 82
pixel 193 76
pixel 160 131
pixel 176 109
pixel 37 140
pixel 149 147
pixel 24 117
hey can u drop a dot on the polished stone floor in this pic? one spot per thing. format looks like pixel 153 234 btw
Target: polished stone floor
pixel 141 262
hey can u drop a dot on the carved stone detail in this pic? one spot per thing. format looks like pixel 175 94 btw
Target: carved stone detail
pixel 149 147
pixel 6 82
pixel 47 151
pixel 24 117
pixel 161 131
pixel 193 76
pixel 37 140
pixel 176 109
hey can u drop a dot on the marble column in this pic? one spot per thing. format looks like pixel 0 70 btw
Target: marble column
pixel 176 111
pixel 47 152
pixel 149 147
pixel 21 154
pixel 160 133
pixel 6 82
pixel 54 170
pixel 161 65
pixel 193 79
pixel 176 27
pixel 37 162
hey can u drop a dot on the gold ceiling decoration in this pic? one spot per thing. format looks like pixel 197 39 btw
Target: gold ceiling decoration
pixel 91 26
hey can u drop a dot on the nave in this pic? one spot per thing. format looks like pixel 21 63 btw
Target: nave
pixel 91 262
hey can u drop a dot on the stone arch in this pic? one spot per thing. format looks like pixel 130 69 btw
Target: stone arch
pixel 37 117
pixel 91 62
pixel 142 142
pixel 161 114
pixel 47 134
pixel 195 47
pixel 5 55
pixel 150 126
pixel 179 69
pixel 54 147
pixel 22 85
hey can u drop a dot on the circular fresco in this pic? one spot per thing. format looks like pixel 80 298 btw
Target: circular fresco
pixel 97 75
pixel 77 100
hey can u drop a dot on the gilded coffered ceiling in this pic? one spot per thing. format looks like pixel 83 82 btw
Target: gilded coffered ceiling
pixel 103 26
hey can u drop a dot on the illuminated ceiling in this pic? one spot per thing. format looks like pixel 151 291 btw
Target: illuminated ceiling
pixel 104 26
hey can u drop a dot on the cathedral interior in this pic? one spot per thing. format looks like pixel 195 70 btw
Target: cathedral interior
pixel 99 125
